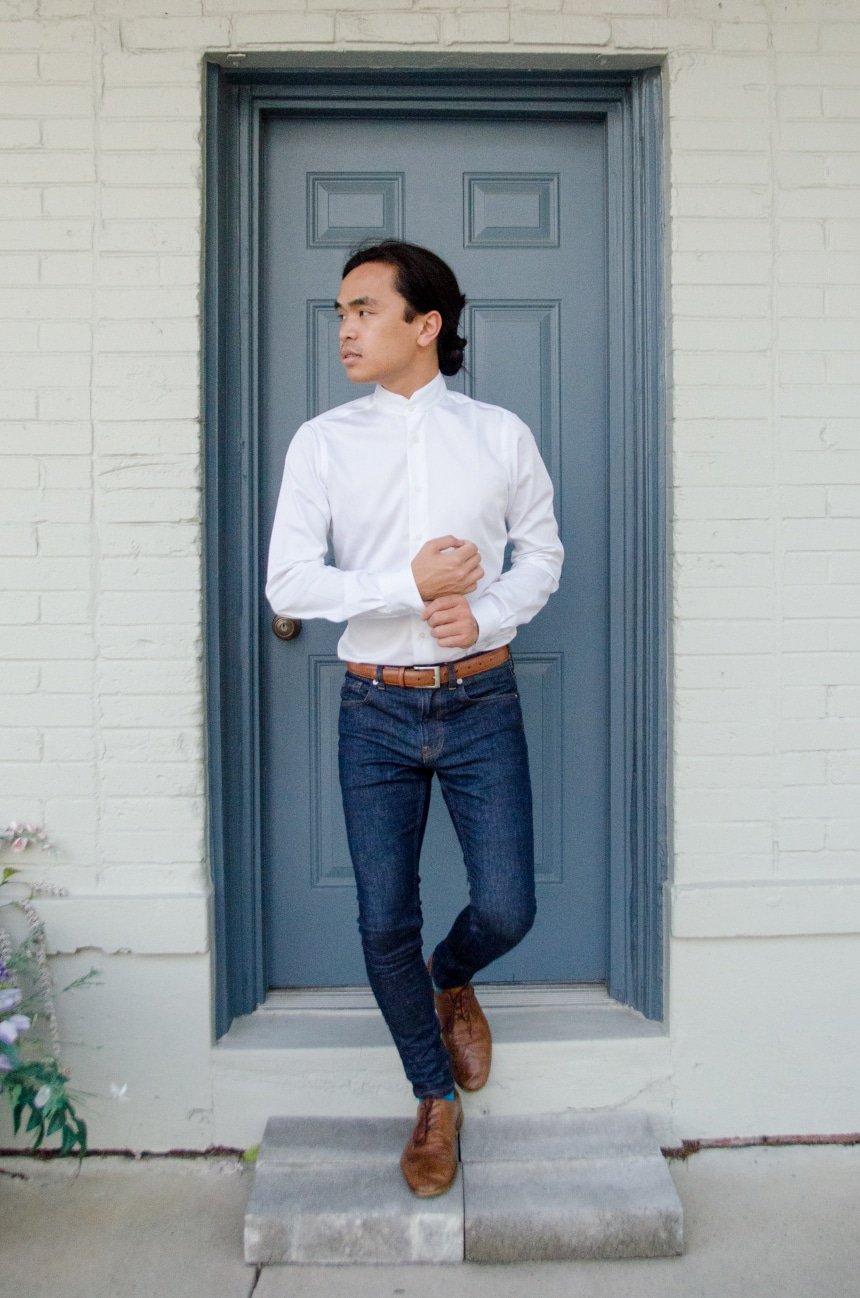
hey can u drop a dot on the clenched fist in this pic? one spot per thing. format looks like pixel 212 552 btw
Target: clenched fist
pixel 446 566
pixel 451 622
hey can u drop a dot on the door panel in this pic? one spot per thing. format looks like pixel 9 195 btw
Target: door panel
pixel 519 211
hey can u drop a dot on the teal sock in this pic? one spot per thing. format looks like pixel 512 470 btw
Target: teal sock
pixel 450 1096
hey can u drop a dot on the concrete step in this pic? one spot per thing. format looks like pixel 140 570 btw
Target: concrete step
pixel 535 1188
pixel 329 1190
pixel 343 1064
pixel 566 1186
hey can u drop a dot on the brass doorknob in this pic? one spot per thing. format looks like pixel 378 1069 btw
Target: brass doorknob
pixel 286 628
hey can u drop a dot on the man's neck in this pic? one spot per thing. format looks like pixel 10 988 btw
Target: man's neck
pixel 408 386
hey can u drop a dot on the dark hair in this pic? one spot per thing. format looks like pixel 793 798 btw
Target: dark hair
pixel 428 284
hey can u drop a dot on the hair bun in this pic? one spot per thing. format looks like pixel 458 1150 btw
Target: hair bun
pixel 452 355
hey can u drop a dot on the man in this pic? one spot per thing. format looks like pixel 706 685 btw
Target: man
pixel 419 490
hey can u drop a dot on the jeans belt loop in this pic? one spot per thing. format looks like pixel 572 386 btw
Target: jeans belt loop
pixel 377 679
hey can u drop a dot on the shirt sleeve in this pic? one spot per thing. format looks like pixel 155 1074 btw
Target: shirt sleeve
pixel 537 554
pixel 299 582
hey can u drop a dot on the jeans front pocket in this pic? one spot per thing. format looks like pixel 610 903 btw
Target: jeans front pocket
pixel 487 687
pixel 354 691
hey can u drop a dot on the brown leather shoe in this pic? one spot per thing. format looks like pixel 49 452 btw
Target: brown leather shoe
pixel 429 1161
pixel 466 1035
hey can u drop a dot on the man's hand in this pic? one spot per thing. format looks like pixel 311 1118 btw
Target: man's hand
pixel 446 566
pixel 451 623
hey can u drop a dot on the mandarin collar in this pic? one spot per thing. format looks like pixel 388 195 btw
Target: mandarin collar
pixel 423 399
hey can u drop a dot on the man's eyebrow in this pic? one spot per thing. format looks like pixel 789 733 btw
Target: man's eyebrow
pixel 357 301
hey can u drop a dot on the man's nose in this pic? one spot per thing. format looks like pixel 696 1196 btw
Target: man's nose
pixel 346 329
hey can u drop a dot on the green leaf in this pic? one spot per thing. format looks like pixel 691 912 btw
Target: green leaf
pixel 7 1049
pixel 82 1135
pixel 16 1116
pixel 84 981
pixel 35 1120
pixel 250 1154
pixel 57 1120
pixel 8 871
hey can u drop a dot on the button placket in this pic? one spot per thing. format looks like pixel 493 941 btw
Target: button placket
pixel 418 515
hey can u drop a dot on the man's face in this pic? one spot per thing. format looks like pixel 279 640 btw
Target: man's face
pixel 377 343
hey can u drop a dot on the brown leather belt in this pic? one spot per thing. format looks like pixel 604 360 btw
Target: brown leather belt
pixel 430 678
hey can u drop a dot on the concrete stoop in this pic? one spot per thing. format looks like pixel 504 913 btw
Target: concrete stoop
pixel 540 1188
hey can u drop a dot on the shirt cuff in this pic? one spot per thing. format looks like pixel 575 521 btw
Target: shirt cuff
pixel 399 591
pixel 488 616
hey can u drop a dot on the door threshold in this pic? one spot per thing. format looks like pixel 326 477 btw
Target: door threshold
pixel 494 996
pixel 348 1018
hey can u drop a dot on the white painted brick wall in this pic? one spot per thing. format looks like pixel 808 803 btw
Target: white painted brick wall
pixel 100 243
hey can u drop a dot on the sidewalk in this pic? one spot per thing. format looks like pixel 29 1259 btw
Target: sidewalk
pixel 760 1223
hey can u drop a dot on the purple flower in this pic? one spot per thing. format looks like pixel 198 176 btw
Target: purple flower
pixel 9 998
pixel 10 1028
pixel 5 1064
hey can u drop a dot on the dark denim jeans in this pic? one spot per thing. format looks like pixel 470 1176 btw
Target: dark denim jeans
pixel 392 740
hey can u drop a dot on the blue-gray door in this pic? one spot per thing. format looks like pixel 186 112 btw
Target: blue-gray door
pixel 519 210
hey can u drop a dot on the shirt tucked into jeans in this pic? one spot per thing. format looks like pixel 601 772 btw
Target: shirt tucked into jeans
pixel 380 476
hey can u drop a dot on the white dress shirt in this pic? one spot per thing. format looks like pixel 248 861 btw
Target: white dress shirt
pixel 380 476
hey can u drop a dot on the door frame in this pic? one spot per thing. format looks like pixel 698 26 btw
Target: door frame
pixel 630 104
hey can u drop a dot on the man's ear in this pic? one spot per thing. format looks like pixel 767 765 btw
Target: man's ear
pixel 431 327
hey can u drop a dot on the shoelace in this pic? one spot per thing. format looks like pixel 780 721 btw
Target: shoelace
pixel 422 1126
pixel 460 1006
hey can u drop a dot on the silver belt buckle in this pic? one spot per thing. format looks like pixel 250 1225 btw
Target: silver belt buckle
pixel 436 669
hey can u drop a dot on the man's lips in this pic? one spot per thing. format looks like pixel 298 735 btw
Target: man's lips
pixel 350 356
